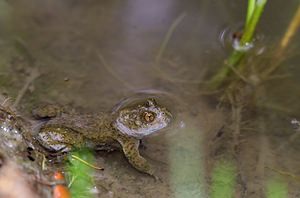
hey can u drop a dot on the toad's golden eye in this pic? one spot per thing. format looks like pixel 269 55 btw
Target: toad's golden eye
pixel 148 116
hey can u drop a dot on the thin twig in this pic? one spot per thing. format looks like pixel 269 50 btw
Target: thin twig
pixel 289 34
pixel 291 31
pixel 33 75
pixel 6 100
pixel 72 181
pixel 113 73
pixel 236 109
pixel 168 36
pixel 174 79
pixel 236 72
pixel 86 163
pixel 285 173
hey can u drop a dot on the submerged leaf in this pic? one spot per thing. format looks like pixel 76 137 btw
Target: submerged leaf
pixel 80 175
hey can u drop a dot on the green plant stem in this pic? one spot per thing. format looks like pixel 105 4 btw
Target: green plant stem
pixel 237 55
pixel 250 28
pixel 251 6
pixel 224 72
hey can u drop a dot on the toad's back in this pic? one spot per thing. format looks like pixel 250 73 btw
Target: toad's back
pixel 88 125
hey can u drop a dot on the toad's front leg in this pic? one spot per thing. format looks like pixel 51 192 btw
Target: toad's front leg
pixel 130 149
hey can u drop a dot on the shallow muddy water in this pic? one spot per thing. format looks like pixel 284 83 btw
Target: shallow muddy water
pixel 93 54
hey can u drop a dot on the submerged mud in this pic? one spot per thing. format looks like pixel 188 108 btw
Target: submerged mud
pixel 92 54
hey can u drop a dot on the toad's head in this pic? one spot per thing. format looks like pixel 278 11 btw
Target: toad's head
pixel 142 119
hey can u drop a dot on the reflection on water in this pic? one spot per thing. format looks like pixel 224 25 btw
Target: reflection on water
pixel 91 54
pixel 186 160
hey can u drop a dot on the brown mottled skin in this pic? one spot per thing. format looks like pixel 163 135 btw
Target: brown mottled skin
pixel 126 126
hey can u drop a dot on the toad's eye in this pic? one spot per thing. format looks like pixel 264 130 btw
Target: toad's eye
pixel 148 116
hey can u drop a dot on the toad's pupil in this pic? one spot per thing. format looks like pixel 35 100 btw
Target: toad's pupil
pixel 148 116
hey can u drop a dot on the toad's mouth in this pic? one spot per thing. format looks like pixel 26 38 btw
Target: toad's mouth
pixel 130 131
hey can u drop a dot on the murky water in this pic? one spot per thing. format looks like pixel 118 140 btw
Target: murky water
pixel 92 54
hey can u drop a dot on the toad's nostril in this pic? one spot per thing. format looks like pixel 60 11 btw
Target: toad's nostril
pixel 169 114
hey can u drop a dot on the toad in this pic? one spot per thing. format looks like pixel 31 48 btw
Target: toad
pixel 127 126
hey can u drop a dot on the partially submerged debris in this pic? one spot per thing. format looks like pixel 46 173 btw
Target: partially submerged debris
pixel 18 168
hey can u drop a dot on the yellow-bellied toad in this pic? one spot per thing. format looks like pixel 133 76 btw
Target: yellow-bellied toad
pixel 127 126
